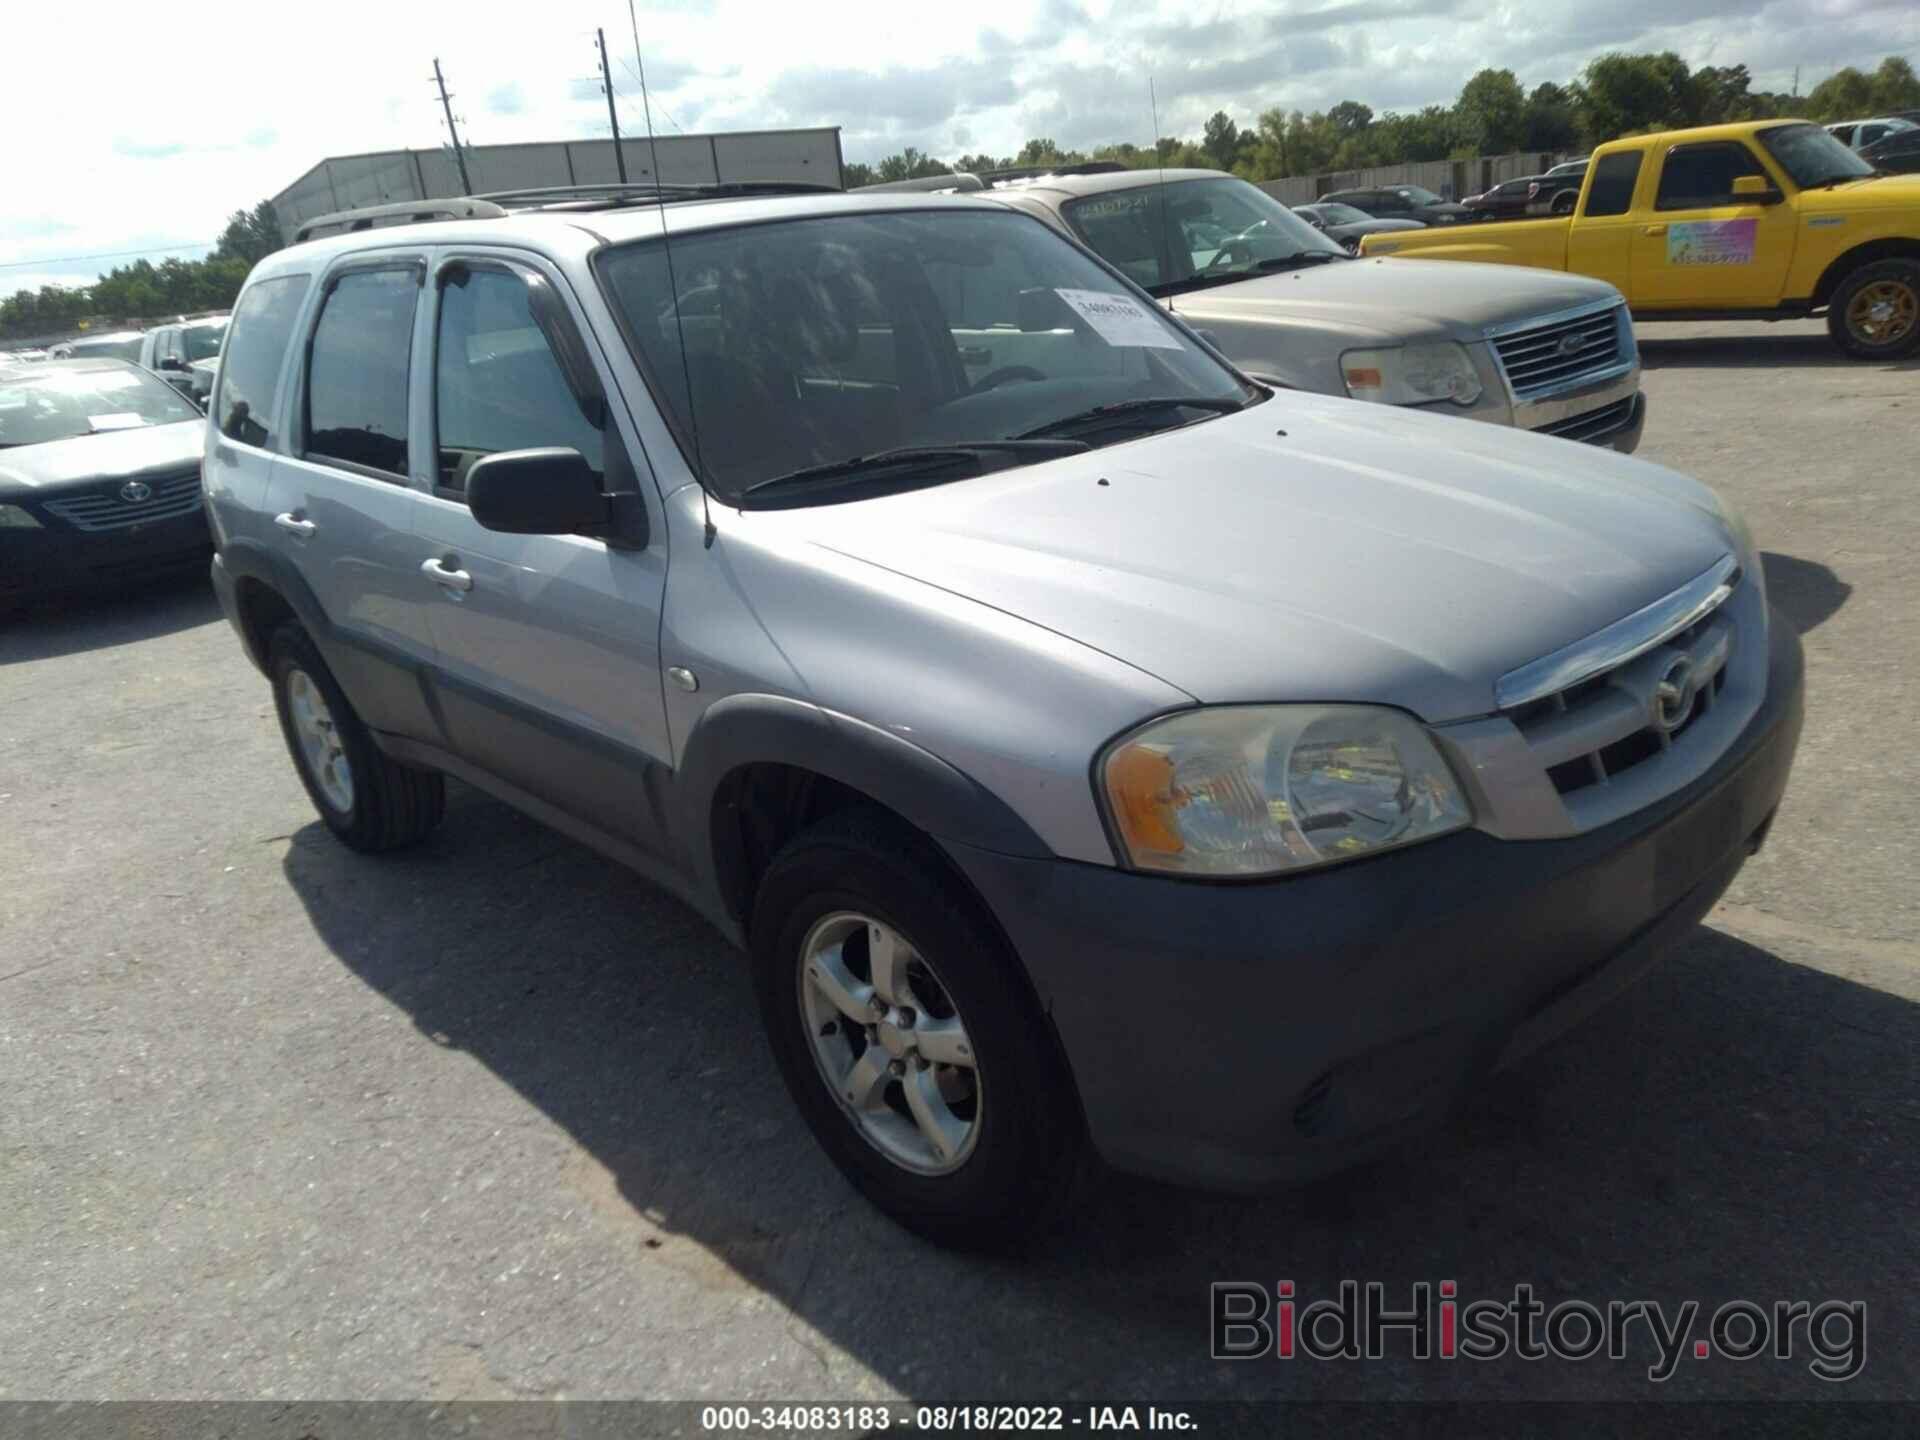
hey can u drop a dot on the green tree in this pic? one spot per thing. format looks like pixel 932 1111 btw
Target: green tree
pixel 1222 140
pixel 251 235
pixel 1627 93
pixel 1491 113
pixel 1349 118
pixel 1895 86
pixel 1847 94
pixel 1551 120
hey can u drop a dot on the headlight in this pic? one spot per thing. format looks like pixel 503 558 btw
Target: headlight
pixel 1263 789
pixel 1412 374
pixel 12 517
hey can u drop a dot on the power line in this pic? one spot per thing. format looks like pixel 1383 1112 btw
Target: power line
pixel 663 109
pixel 108 255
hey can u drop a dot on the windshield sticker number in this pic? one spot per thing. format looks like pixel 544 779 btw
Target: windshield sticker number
pixel 1711 242
pixel 1120 320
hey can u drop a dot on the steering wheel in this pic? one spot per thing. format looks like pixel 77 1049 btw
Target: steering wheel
pixel 1236 251
pixel 1004 374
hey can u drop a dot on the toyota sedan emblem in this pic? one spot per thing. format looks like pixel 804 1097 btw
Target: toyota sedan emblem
pixel 134 491
pixel 1673 696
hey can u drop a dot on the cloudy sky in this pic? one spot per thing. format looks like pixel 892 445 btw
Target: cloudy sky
pixel 141 125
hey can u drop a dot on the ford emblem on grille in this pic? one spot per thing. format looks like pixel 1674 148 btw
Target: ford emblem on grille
pixel 1673 695
pixel 134 491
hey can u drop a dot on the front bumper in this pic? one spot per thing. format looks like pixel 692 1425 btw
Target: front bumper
pixel 1244 1035
pixel 57 560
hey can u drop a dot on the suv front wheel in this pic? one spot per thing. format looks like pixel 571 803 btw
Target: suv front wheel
pixel 909 1038
pixel 370 802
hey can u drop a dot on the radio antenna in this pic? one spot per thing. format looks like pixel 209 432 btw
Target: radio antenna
pixel 673 284
pixel 1160 156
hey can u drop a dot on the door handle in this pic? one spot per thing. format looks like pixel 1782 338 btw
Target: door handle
pixel 1654 230
pixel 440 575
pixel 295 526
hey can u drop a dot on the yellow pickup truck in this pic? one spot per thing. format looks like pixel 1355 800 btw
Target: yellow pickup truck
pixel 1762 220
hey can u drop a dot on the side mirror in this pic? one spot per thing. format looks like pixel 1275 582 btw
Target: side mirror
pixel 536 492
pixel 1756 189
pixel 172 362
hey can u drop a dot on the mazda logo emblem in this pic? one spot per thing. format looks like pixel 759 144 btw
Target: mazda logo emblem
pixel 1571 343
pixel 1673 696
pixel 134 491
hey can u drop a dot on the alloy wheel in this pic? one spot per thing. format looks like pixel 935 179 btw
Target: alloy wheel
pixel 321 747
pixel 1884 313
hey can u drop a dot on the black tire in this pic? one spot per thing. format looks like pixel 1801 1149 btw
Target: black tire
pixel 1900 280
pixel 1030 1156
pixel 1563 203
pixel 393 805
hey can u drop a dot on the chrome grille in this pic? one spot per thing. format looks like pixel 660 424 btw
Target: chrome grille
pixel 103 507
pixel 1561 354
pixel 1607 724
pixel 1595 425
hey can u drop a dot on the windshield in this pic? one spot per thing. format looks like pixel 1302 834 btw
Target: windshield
pixel 1193 232
pixel 812 342
pixel 58 404
pixel 203 341
pixel 1337 214
pixel 1811 156
pixel 1419 195
pixel 123 348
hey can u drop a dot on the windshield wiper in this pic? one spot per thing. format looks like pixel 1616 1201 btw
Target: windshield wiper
pixel 1218 405
pixel 861 467
pixel 1280 262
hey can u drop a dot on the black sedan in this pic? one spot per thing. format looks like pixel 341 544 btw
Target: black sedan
pixel 1896 154
pixel 1402 202
pixel 99 478
pixel 1346 224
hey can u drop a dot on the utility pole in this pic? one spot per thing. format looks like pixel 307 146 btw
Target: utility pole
pixel 459 155
pixel 1796 82
pixel 613 119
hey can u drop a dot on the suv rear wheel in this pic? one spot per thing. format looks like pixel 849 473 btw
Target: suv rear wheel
pixel 909 1038
pixel 371 802
pixel 1875 312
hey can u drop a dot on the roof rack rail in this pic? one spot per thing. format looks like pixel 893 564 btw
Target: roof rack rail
pixel 959 182
pixel 1035 172
pixel 405 212
pixel 613 192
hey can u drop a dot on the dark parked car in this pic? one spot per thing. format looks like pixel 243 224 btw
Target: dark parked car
pixel 1529 195
pixel 1401 202
pixel 1346 224
pixel 99 478
pixel 1898 154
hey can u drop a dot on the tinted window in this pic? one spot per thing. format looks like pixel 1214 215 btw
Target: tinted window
pixel 203 341
pixel 1696 176
pixel 250 379
pixel 357 370
pixel 497 385
pixel 806 342
pixel 1614 176
pixel 1811 156
pixel 127 349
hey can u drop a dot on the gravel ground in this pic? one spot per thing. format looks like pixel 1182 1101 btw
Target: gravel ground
pixel 494 1119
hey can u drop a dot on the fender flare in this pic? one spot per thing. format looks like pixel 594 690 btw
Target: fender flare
pixel 926 791
pixel 245 559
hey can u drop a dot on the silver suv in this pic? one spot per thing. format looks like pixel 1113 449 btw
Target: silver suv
pixel 1099 754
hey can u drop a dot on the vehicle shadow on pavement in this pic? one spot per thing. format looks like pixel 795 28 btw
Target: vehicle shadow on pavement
pixel 1805 591
pixel 1737 1126
pixel 1723 352
pixel 50 629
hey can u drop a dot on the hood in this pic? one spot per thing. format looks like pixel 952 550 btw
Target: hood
pixel 1875 192
pixel 110 455
pixel 1396 299
pixel 1374 227
pixel 1304 549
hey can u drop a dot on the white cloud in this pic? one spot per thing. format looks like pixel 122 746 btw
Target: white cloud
pixel 151 126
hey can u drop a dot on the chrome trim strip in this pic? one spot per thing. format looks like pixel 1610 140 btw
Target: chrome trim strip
pixel 1620 641
pixel 1558 317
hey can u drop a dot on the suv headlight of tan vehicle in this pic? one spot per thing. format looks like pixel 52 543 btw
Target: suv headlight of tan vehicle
pixel 1412 374
pixel 1247 790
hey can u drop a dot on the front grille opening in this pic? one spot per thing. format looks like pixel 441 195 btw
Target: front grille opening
pixel 1625 754
pixel 1573 775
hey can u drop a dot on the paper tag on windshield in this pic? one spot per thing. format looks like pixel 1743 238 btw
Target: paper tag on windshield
pixel 125 420
pixel 1120 319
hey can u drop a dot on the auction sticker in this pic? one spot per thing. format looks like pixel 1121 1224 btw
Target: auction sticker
pixel 1120 319
pixel 1711 242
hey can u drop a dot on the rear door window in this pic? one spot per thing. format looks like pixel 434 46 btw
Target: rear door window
pixel 357 371
pixel 262 328
pixel 1614 177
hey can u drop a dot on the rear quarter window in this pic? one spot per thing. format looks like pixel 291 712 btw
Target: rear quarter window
pixel 1614 177
pixel 257 341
